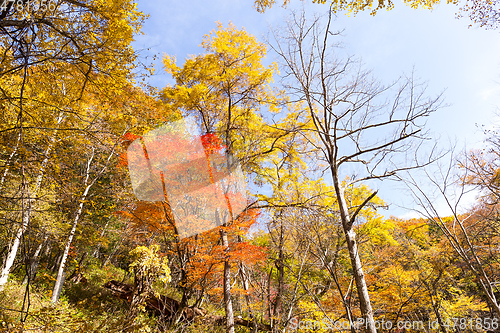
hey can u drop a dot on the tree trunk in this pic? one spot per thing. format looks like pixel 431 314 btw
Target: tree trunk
pixel 9 161
pixel 34 262
pixel 352 246
pixel 56 292
pixel 227 287
pixel 11 256
pixel 269 300
pixel 56 260
pixel 26 215
pixel 246 287
pixel 96 251
pixel 60 273
pixel 77 275
pixel 112 254
pixel 281 276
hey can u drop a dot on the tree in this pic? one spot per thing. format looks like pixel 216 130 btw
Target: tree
pixel 416 274
pixel 485 13
pixel 224 89
pixel 53 58
pixel 88 183
pixel 351 123
pixel 469 231
pixel 29 203
pixel 482 169
pixel 89 37
pixel 182 207
pixel 147 267
pixel 355 6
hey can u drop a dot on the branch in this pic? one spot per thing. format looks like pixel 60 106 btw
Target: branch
pixel 353 217
pixel 385 145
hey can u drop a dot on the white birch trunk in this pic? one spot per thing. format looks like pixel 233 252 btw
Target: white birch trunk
pixel 60 273
pixel 56 292
pixel 26 216
pixel 9 160
pixel 96 251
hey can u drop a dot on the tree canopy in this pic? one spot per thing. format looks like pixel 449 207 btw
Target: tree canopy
pixel 239 198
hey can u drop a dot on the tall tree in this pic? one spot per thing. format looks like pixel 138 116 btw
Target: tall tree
pixel 88 183
pixel 29 204
pixel 54 56
pixel 351 123
pixel 225 89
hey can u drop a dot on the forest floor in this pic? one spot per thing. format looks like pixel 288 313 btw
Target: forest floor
pixel 83 307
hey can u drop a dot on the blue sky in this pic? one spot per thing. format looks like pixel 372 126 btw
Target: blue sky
pixel 463 62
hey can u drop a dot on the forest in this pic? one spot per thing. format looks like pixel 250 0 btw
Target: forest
pixel 243 197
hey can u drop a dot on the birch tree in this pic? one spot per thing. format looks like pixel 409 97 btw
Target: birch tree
pixel 29 202
pixel 79 44
pixel 88 183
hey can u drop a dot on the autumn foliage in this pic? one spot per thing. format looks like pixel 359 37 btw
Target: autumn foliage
pixel 221 202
